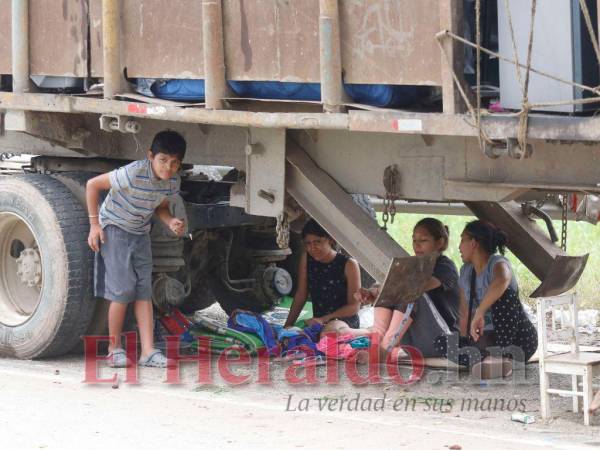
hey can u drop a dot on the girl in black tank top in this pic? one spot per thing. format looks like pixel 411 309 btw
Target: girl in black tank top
pixel 328 287
pixel 331 279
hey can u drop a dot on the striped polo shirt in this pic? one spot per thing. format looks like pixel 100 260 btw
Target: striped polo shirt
pixel 134 195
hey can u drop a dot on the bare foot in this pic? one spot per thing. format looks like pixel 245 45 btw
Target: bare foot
pixel 595 403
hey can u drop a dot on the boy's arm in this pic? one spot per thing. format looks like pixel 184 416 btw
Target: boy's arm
pixel 92 194
pixel 163 212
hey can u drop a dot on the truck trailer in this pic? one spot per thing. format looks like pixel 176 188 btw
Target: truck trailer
pixel 291 109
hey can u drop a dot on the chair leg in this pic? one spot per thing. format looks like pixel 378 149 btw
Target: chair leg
pixel 575 388
pixel 587 394
pixel 544 397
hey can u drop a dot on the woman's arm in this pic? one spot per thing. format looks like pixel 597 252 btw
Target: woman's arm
pixel 432 284
pixel 500 282
pixel 463 314
pixel 352 306
pixel 301 293
pixel 444 275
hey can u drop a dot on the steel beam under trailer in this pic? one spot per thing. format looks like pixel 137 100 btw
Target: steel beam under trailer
pixel 374 249
pixel 334 209
pixel 557 271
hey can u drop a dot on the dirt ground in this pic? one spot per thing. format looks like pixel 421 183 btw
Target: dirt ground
pixel 49 404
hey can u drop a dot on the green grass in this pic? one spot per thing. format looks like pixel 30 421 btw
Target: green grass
pixel 582 238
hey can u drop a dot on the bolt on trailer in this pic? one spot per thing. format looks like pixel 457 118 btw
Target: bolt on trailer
pixel 290 109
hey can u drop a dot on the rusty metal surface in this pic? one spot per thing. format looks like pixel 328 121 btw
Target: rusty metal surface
pixel 159 39
pixel 330 53
pixel 553 128
pixel 562 276
pixel 383 41
pixel 391 41
pixel 215 82
pixel 76 104
pixel 58 37
pixel 21 82
pixel 321 196
pixel 451 17
pixel 268 40
pixel 406 280
pixel 5 37
pixel 558 128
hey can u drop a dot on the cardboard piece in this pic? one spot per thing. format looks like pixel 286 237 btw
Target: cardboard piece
pixel 406 280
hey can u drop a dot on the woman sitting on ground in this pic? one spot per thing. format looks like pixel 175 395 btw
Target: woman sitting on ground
pixel 428 319
pixel 495 316
pixel 331 278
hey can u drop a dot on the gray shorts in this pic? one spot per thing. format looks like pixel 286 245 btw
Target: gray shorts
pixel 123 266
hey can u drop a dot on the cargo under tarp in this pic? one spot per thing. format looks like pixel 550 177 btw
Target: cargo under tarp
pixel 380 95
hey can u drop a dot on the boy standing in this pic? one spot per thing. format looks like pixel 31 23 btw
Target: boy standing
pixel 119 235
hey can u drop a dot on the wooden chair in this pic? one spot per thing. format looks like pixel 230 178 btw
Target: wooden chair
pixel 574 363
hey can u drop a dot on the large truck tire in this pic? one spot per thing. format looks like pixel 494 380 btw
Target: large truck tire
pixel 46 268
pixel 76 183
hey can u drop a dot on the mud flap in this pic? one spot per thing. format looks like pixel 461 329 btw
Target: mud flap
pixel 563 275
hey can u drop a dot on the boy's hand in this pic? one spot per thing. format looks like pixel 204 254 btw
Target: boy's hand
pixel 95 237
pixel 177 226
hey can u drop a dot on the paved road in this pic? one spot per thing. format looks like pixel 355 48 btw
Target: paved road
pixel 47 405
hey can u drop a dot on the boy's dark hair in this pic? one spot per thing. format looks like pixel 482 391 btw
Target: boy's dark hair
pixel 313 227
pixel 490 237
pixel 170 143
pixel 436 229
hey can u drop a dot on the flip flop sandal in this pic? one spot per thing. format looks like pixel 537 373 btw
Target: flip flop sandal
pixel 154 359
pixel 118 358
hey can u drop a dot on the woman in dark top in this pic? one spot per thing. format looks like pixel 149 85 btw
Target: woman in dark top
pixel 491 315
pixel 433 315
pixel 331 278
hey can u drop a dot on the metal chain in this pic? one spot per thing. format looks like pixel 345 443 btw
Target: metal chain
pixel 565 212
pixel 392 207
pixel 385 217
pixel 390 182
pixel 283 230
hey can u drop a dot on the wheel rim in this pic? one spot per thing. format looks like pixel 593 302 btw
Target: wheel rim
pixel 21 274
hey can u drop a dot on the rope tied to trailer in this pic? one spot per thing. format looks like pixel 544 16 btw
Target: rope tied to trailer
pixel 526 106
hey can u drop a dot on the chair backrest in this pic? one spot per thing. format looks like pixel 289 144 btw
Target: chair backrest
pixel 563 310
